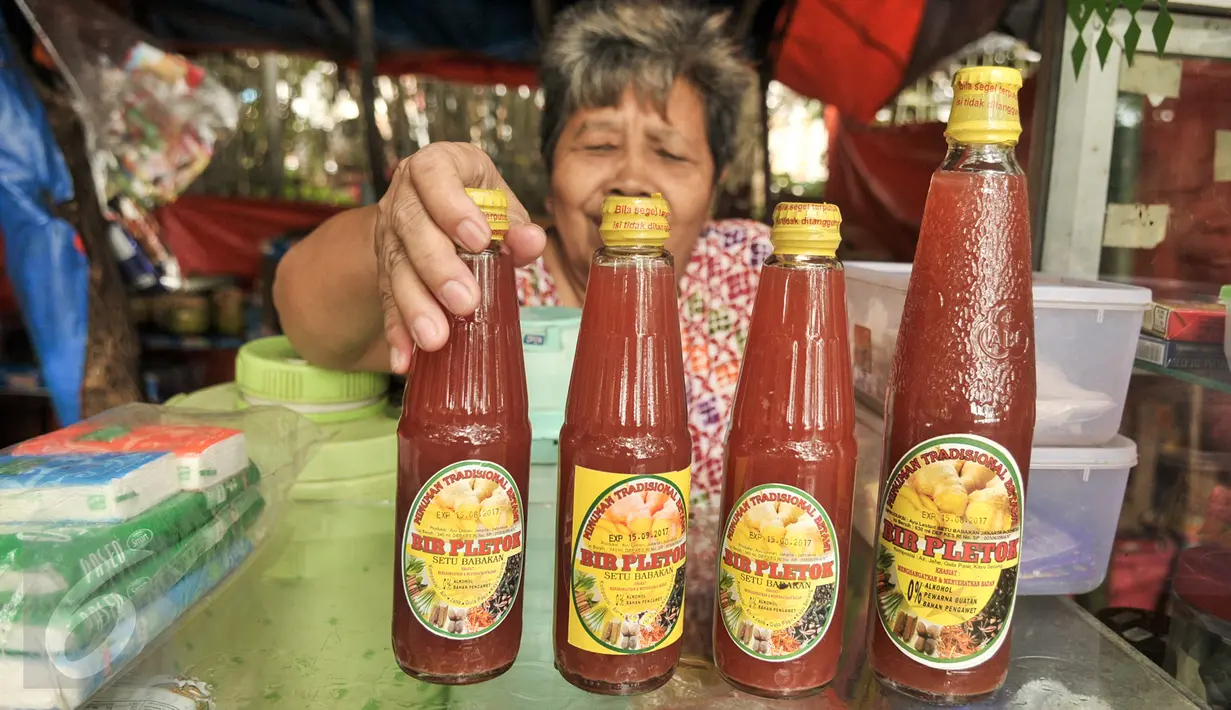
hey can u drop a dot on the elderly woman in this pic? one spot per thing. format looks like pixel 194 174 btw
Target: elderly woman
pixel 638 98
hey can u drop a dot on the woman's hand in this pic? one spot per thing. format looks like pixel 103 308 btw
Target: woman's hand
pixel 420 221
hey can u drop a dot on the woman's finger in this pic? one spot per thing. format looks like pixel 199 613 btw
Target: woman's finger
pixel 407 304
pixel 526 242
pixel 441 178
pixel 440 174
pixel 433 256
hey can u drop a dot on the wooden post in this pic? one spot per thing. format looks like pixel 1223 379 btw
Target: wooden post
pixel 365 49
pixel 111 376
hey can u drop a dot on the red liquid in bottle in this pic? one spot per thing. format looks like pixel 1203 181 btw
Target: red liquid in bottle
pixel 789 476
pixel 625 463
pixel 958 428
pixel 463 476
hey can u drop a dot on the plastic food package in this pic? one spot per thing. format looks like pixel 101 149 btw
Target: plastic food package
pixel 158 693
pixel 113 529
pixel 152 121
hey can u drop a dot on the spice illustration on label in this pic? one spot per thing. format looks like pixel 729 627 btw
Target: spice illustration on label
pixel 948 546
pixel 629 536
pixel 462 551
pixel 779 573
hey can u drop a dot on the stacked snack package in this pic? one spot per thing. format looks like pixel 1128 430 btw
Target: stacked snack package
pixel 112 529
pixel 152 118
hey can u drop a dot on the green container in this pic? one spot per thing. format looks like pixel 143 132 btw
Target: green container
pixel 358 460
pixel 549 340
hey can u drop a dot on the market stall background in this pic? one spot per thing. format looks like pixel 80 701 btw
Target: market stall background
pixel 1166 149
pixel 809 45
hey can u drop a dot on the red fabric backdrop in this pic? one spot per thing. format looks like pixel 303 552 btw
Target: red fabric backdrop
pixel 223 235
pixel 830 33
pixel 1177 168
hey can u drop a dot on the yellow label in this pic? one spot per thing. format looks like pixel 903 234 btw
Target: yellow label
pixel 462 549
pixel 497 221
pixel 985 108
pixel 494 205
pixel 629 536
pixel 779 573
pixel 948 547
pixel 808 228
pixel 635 220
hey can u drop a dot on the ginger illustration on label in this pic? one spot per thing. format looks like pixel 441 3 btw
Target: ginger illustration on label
pixel 462 551
pixel 629 536
pixel 948 547
pixel 779 573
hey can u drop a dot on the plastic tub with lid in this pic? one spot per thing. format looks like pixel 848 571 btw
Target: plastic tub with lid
pixel 1085 339
pixel 1073 501
pixel 358 460
pixel 1199 638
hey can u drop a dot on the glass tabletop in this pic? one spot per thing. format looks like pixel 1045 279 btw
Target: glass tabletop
pixel 307 625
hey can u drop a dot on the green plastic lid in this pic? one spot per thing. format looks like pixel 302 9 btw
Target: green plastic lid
pixel 270 371
pixel 1224 293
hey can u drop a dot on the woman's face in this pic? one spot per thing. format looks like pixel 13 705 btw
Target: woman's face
pixel 631 149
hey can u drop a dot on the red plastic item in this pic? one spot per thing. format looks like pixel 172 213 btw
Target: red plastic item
pixel 1138 572
pixel 1203 580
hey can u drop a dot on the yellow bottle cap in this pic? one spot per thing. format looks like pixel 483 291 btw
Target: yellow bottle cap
pixel 985 106
pixel 632 221
pixel 495 206
pixel 807 228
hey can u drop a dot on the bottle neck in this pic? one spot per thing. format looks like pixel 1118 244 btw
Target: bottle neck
pixel 493 247
pixel 803 261
pixel 631 254
pixel 981 158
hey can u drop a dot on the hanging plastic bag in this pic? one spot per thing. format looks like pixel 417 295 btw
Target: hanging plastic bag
pixel 113 529
pixel 152 119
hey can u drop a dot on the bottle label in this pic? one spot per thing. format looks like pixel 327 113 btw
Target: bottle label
pixel 462 550
pixel 628 560
pixel 948 547
pixel 779 573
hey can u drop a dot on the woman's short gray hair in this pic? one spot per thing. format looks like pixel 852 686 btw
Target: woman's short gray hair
pixel 597 49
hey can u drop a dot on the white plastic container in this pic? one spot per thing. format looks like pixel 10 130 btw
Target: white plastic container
pixel 1073 500
pixel 1085 338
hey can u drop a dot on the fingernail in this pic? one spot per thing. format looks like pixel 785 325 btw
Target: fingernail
pixel 397 360
pixel 423 329
pixel 472 236
pixel 457 297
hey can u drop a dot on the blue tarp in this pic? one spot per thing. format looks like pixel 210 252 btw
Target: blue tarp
pixel 48 270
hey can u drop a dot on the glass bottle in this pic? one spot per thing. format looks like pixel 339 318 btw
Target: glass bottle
pixel 463 475
pixel 625 466
pixel 959 415
pixel 790 470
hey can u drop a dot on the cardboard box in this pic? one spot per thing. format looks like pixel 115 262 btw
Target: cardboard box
pixel 1185 321
pixel 1180 355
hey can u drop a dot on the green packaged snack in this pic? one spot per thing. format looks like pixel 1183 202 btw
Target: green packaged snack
pixel 48 560
pixel 87 613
